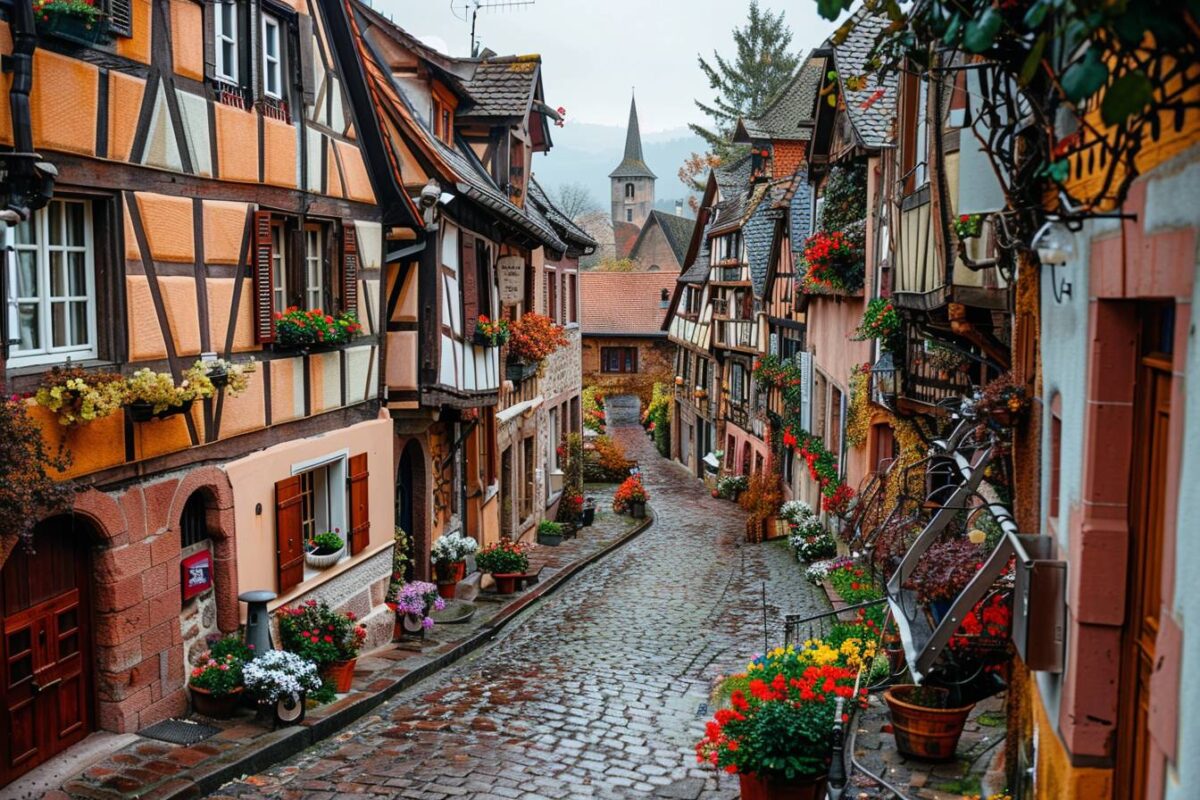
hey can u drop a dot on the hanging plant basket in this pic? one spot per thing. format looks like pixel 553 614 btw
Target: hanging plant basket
pixel 142 411
pixel 219 378
pixel 520 370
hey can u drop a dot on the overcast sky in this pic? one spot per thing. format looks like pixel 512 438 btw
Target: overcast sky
pixel 594 51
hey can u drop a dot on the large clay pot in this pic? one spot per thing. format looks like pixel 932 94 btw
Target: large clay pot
pixel 773 788
pixel 447 589
pixel 340 674
pixel 928 734
pixel 506 582
pixel 217 706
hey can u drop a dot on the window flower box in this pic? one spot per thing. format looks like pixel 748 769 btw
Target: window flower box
pixel 521 370
pixel 143 411
pixel 77 21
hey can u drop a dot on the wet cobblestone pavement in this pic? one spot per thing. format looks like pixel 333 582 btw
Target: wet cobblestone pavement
pixel 601 691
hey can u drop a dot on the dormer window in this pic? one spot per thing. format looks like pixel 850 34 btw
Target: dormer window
pixel 441 121
pixel 226 30
pixel 272 67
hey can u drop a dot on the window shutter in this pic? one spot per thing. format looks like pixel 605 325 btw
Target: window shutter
pixel 120 17
pixel 360 523
pixel 468 278
pixel 805 359
pixel 289 544
pixel 264 299
pixel 306 60
pixel 210 42
pixel 349 268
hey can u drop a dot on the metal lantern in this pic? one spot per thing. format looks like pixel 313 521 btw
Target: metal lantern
pixel 885 381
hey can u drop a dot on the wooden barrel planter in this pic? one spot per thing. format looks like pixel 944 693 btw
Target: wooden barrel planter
pixel 924 732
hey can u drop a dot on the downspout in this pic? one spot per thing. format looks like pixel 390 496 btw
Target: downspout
pixel 21 64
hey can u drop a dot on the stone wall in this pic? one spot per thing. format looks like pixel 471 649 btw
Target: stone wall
pixel 656 358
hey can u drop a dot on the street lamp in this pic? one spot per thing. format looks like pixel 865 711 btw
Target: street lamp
pixel 885 381
pixel 1055 246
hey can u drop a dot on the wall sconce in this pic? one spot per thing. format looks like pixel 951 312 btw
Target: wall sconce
pixel 885 381
pixel 1055 246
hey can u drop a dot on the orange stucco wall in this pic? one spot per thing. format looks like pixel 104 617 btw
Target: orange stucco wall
pixel 237 160
pixel 188 51
pixel 253 479
pixel 63 120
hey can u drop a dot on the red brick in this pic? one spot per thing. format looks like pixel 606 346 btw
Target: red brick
pixel 115 717
pixel 158 504
pixel 133 503
pixel 120 657
pixel 121 626
pixel 164 549
pixel 120 595
pixel 164 606
pixel 172 705
pixel 118 563
pixel 159 638
pixel 156 579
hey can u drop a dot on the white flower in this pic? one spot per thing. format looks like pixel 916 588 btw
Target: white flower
pixel 276 674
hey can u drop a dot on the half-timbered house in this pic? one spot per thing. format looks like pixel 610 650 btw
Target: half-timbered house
pixel 209 178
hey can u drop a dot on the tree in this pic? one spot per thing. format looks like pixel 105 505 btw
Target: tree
pixel 574 200
pixel 744 84
pixel 693 173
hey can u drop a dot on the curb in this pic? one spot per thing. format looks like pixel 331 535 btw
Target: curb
pixel 286 742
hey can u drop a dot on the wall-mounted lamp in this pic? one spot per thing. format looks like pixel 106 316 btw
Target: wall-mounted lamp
pixel 885 381
pixel 1055 246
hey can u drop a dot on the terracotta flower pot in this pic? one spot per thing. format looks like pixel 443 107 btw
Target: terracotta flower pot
pixel 506 582
pixel 776 788
pixel 447 589
pixel 340 674
pixel 217 706
pixel 928 734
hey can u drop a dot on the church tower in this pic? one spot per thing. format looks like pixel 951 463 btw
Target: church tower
pixel 632 180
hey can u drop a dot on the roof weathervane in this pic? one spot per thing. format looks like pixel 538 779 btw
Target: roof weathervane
pixel 468 10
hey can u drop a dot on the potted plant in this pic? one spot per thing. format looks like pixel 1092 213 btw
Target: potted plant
pixel 302 329
pixel 325 549
pixel 330 639
pixel 881 321
pixel 924 723
pixel 491 333
pixel 505 561
pixel 631 496
pixel 413 603
pixel 232 376
pixel 215 685
pixel 968 226
pixel 550 533
pixel 943 572
pixel 449 553
pixel 731 486
pixel 78 21
pixel 532 338
pixel 78 396
pixel 777 732
pixel 1003 399
pixel 280 681
pixel 151 394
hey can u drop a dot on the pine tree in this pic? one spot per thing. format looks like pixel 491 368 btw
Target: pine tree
pixel 746 83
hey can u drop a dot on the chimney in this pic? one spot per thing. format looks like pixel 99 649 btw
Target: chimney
pixel 679 208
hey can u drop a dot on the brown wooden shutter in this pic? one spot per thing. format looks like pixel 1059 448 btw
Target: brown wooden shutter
pixel 120 18
pixel 264 296
pixel 307 54
pixel 289 537
pixel 349 268
pixel 468 272
pixel 360 523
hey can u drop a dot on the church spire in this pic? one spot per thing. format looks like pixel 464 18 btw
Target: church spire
pixel 633 165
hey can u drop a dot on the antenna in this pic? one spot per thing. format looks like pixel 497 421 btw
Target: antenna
pixel 468 10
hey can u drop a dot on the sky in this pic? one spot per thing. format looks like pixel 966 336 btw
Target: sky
pixel 595 51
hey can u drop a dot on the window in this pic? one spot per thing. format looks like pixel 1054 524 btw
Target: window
pixel 193 523
pixel 618 359
pixel 833 442
pixel 629 190
pixel 279 266
pixel 54 286
pixel 629 215
pixel 576 415
pixel 120 17
pixel 314 267
pixel 271 57
pixel 529 468
pixel 226 34
pixel 572 290
pixel 739 388
pixel 552 309
pixel 1055 453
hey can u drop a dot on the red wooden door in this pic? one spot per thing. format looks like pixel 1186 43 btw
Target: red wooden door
pixel 45 675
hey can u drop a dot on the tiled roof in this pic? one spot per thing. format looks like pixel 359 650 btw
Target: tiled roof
pixel 759 235
pixel 789 116
pixel 501 87
pixel 677 231
pixel 800 212
pixel 871 108
pixel 566 228
pixel 734 176
pixel 625 303
pixel 633 164
pixel 625 235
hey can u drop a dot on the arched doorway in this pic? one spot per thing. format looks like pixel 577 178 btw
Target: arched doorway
pixel 410 507
pixel 45 651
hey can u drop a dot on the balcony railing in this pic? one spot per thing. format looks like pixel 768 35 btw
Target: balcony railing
pixel 720 307
pixel 739 415
pixel 925 383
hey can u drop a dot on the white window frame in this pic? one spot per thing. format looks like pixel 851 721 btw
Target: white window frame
pixel 222 36
pixel 314 264
pixel 334 494
pixel 272 63
pixel 48 353
pixel 279 267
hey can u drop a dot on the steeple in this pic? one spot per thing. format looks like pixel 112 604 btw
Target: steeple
pixel 633 165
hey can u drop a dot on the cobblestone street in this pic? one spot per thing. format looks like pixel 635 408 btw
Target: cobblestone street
pixel 600 692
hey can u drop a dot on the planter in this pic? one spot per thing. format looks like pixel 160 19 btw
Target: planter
pixel 340 674
pixel 217 706
pixel 637 509
pixel 141 411
pixel 550 539
pixel 453 571
pixel 929 734
pixel 1003 417
pixel 506 582
pixel 323 560
pixel 517 371
pixel 219 379
pixel 79 30
pixel 777 788
pixel 482 340
pixel 447 589
pixel 411 626
pixel 587 517
pixel 290 710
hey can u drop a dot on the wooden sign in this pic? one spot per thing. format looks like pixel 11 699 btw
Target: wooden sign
pixel 196 576
pixel 511 273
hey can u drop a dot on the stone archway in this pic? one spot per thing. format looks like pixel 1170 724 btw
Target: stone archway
pixel 412 503
pixel 213 485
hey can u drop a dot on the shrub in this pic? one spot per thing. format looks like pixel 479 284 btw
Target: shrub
pixel 730 486
pixel 327 542
pixel 629 492
pixel 944 570
pixel 296 327
pixel 593 409
pixel 505 557
pixel 318 633
pixel 452 547
pixel 27 492
pixel 78 396
pixel 606 462
pixel 218 676
pixel 231 645
pixel 418 599
pixel 548 528
pixel 570 460
pixel 278 674
pixel 533 337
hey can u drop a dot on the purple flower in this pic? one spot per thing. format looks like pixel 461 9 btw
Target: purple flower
pixel 427 623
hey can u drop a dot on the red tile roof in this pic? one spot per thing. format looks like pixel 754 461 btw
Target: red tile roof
pixel 625 234
pixel 625 303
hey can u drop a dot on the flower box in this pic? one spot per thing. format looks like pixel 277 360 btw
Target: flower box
pixel 518 371
pixel 143 411
pixel 81 30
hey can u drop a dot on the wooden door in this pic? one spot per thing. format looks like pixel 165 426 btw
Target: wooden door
pixel 45 651
pixel 1152 418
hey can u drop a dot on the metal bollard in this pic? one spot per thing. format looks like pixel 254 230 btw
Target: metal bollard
pixel 258 621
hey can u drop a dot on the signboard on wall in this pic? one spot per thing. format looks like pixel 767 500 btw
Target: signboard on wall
pixel 511 273
pixel 196 574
